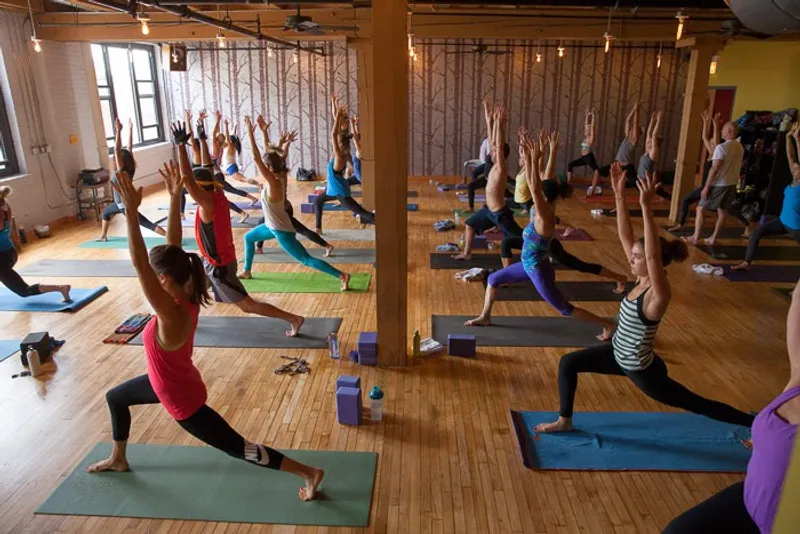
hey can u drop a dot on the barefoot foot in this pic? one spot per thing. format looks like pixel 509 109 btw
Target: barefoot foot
pixel 344 278
pixel 109 464
pixel 245 275
pixel 328 251
pixel 744 266
pixel 692 240
pixel 676 228
pixel 479 321
pixel 462 256
pixel 562 425
pixel 259 250
pixel 296 324
pixel 606 334
pixel 621 289
pixel 65 293
pixel 318 231
pixel 102 239
pixel 244 217
pixel 310 490
pixel 710 242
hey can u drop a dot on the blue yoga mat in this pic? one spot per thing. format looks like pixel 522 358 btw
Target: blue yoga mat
pixel 309 208
pixel 633 441
pixel 49 302
pixel 7 348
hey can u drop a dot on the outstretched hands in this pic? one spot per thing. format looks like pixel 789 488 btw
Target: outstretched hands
pixel 172 177
pixel 262 124
pixel 618 179
pixel 131 196
pixel 647 189
pixel 179 135
pixel 248 124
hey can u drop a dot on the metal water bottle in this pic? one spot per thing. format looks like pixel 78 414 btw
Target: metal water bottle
pixel 333 345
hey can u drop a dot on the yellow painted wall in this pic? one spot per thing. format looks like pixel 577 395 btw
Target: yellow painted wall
pixel 766 75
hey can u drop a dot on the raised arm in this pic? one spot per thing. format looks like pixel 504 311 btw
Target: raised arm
pixel 287 139
pixel 338 152
pixel 500 120
pixel 624 227
pixel 655 133
pixel 592 126
pixel 203 198
pixel 205 155
pixel 632 123
pixel 130 136
pixel 267 174
pixel 264 127
pixel 215 146
pixel 652 249
pixel 544 213
pixel 118 144
pixel 717 137
pixel 551 158
pixel 171 173
pixel 487 114
pixel 706 116
pixel 356 131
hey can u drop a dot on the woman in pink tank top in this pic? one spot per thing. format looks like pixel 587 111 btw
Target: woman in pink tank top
pixel 750 506
pixel 175 285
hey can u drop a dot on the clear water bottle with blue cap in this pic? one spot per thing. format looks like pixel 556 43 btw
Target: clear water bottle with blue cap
pixel 376 403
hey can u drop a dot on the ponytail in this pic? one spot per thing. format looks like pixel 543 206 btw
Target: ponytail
pixel 198 280
pixel 672 250
pixel 185 268
pixel 4 192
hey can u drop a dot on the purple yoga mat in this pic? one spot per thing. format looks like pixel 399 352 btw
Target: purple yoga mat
pixel 762 273
pixel 478 198
pixel 451 187
pixel 578 234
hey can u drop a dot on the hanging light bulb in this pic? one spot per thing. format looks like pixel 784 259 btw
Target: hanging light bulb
pixel 220 39
pixel 412 53
pixel 144 19
pixel 561 51
pixel 269 51
pixel 37 46
pixel 295 57
pixel 538 57
pixel 712 69
pixel 37 43
pixel 681 16
pixel 658 57
pixel 608 37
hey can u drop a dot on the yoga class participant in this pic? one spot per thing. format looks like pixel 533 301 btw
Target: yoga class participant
pixel 176 287
pixel 652 151
pixel 337 187
pixel 232 146
pixel 750 506
pixel 495 212
pixel 624 153
pixel 219 142
pixel 710 144
pixel 212 227
pixel 355 178
pixel 720 189
pixel 535 264
pixel 9 242
pixel 522 193
pixel 789 220
pixel 123 159
pixel 481 179
pixel 587 156
pixel 631 351
pixel 277 222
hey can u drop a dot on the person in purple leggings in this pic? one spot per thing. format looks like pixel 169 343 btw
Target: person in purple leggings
pixel 750 506
pixel 535 264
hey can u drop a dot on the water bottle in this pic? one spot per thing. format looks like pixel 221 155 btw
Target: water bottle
pixel 463 242
pixel 333 345
pixel 416 343
pixel 458 219
pixel 34 363
pixel 376 403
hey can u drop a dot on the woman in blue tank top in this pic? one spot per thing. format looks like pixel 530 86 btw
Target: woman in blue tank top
pixel 789 220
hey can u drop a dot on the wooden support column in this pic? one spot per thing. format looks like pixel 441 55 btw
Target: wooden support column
pixel 694 103
pixel 363 48
pixel 389 73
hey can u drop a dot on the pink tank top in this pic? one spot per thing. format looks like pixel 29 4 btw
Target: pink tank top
pixel 175 379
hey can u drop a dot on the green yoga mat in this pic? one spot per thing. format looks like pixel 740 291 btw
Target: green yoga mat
pixel 204 484
pixel 122 242
pixel 304 283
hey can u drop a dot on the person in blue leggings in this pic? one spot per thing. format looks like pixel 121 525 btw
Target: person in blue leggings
pixel 277 223
pixel 535 265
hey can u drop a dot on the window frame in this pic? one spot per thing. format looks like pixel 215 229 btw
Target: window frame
pixel 111 98
pixel 7 142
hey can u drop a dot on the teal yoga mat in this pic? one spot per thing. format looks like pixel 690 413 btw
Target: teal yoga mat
pixel 149 242
pixel 49 302
pixel 204 484
pixel 7 348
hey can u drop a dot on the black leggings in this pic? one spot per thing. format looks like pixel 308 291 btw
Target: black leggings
pixel 585 160
pixel 11 278
pixel 299 227
pixel 113 209
pixel 775 226
pixel 694 196
pixel 367 217
pixel 475 184
pixel 557 252
pixel 722 512
pixel 231 205
pixel 653 381
pixel 205 424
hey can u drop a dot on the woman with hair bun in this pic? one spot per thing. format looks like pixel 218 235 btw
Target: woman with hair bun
pixel 630 352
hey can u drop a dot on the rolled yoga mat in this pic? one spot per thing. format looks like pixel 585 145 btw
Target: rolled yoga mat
pixel 259 332
pixel 309 208
pixel 726 232
pixel 759 272
pixel 737 252
pixel 304 283
pixel 204 484
pixel 365 234
pixel 572 291
pixel 482 261
pixel 49 302
pixel 8 347
pixel 357 194
pixel 633 441
pixel 638 213
pixel 149 242
pixel 519 331
pixel 340 255
pixel 81 268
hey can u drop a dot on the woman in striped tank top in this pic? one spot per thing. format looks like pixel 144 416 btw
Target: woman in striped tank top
pixel 630 352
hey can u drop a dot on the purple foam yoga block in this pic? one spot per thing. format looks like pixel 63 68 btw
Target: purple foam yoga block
pixel 346 381
pixel 461 345
pixel 367 342
pixel 354 356
pixel 312 198
pixel 479 241
pixel 306 208
pixel 348 406
pixel 367 359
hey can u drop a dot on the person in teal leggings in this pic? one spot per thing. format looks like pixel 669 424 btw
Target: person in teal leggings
pixel 277 223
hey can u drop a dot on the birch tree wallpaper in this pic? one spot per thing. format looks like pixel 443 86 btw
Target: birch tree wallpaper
pixel 249 80
pixel 449 80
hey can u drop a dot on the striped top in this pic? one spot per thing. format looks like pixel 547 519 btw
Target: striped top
pixel 633 340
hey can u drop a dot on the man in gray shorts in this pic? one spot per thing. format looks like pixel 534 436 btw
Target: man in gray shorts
pixel 720 189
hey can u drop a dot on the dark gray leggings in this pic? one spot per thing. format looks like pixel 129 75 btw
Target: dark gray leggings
pixel 11 278
pixel 205 424
pixel 775 226
pixel 367 217
pixel 722 512
pixel 557 252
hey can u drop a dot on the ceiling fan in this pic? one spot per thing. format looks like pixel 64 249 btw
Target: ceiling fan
pixel 734 28
pixel 480 49
pixel 303 24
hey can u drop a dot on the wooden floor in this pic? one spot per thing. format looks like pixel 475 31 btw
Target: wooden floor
pixel 448 459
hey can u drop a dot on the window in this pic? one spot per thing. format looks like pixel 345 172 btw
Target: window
pixel 126 80
pixel 8 156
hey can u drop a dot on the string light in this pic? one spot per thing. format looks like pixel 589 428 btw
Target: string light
pixel 269 51
pixel 608 37
pixel 538 53
pixel 295 57
pixel 37 43
pixel 713 67
pixel 681 16
pixel 220 39
pixel 658 57
pixel 144 19
pixel 561 50
pixel 608 41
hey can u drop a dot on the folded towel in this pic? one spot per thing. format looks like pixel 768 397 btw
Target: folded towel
pixel 707 268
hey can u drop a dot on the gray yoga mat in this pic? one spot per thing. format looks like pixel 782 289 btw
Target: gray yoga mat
pixel 204 484
pixel 726 232
pixel 520 331
pixel 737 252
pixel 483 261
pixel 572 291
pixel 81 268
pixel 340 255
pixel 260 332
pixel 367 234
